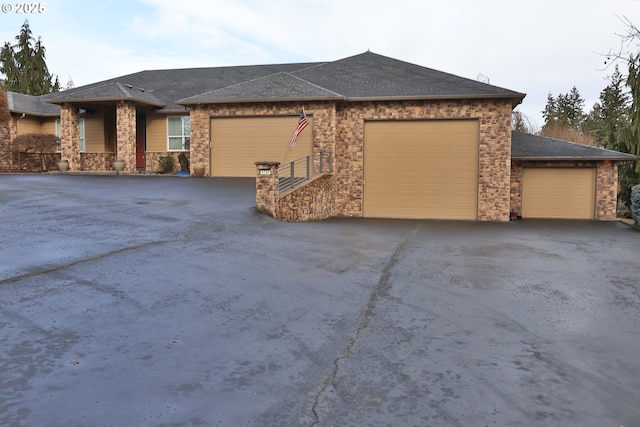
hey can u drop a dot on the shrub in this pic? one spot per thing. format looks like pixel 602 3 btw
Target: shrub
pixel 166 164
pixel 635 203
pixel 40 143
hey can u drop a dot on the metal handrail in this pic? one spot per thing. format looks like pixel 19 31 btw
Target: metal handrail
pixel 303 169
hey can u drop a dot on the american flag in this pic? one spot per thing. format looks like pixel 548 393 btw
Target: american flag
pixel 302 123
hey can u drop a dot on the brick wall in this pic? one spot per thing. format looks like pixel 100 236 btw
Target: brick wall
pixel 324 123
pixel 516 187
pixel 153 160
pixel 97 161
pixel 494 150
pixel 312 200
pixel 606 184
pixel 267 194
pixel 340 128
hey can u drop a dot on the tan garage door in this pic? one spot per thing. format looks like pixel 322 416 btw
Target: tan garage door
pixel 421 169
pixel 558 193
pixel 238 142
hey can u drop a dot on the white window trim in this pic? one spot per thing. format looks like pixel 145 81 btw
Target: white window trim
pixel 182 135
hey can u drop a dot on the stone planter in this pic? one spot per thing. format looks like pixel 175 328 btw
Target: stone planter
pixel 63 165
pixel 118 165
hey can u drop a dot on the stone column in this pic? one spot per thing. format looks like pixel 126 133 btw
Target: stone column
pixel 199 151
pixel 267 192
pixel 126 134
pixel 607 191
pixel 8 132
pixel 70 136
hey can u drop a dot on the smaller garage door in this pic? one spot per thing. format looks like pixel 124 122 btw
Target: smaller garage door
pixel 238 142
pixel 558 193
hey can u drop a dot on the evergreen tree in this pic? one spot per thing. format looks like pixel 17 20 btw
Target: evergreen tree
pixel 25 67
pixel 550 112
pixel 574 109
pixel 629 173
pixel 610 114
pixel 518 122
pixel 564 111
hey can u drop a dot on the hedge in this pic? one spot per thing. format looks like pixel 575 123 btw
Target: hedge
pixel 635 203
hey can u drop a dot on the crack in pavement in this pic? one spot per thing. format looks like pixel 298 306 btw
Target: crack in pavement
pixel 186 235
pixel 381 286
pixel 82 261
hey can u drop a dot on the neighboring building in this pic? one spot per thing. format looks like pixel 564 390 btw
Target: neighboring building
pixel 407 141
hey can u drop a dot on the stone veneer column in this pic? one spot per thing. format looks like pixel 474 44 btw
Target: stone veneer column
pixel 199 151
pixel 126 134
pixel 8 132
pixel 267 188
pixel 607 191
pixel 70 136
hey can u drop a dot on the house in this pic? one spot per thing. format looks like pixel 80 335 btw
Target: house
pixel 406 141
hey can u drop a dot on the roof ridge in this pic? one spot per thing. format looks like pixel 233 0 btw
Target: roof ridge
pixel 230 86
pixel 123 90
pixel 313 84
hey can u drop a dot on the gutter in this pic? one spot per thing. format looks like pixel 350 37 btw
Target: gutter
pixel 99 100
pixel 627 158
pixel 515 101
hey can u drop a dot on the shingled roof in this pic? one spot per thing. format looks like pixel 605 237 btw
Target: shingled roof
pixel 107 91
pixel 27 104
pixel 275 87
pixel 526 146
pixel 367 76
pixel 168 86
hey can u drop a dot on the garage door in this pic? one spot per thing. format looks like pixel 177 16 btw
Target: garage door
pixel 238 142
pixel 558 193
pixel 421 169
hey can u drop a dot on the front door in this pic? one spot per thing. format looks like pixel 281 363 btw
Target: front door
pixel 141 140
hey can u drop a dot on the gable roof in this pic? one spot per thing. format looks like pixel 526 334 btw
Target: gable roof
pixel 525 146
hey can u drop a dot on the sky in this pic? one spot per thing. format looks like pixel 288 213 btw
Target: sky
pixel 537 47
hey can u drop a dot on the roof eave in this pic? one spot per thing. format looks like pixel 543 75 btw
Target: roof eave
pixel 109 99
pixel 172 110
pixel 628 158
pixel 32 113
pixel 513 99
pixel 516 99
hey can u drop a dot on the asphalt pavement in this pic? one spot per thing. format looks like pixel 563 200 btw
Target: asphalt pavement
pixel 168 301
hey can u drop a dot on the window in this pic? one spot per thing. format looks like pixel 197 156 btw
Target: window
pixel 82 135
pixel 59 134
pixel 178 133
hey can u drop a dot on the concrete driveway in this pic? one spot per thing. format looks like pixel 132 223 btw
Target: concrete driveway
pixel 165 301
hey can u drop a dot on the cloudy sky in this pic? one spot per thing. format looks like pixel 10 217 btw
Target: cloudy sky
pixel 532 46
